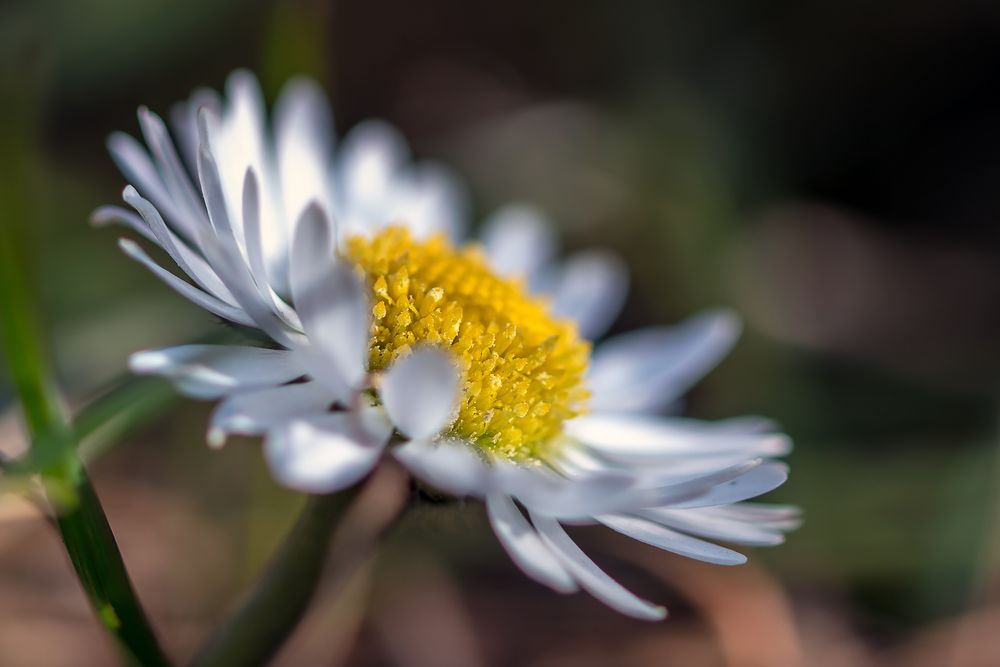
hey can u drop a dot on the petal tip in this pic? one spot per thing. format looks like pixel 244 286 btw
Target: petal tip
pixel 144 362
pixel 99 218
pixel 420 390
pixel 216 438
pixel 128 246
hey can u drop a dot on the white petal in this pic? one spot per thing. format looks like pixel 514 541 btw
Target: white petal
pixel 252 239
pixel 683 468
pixel 371 159
pixel 254 412
pixel 189 206
pixel 209 371
pixel 648 369
pixel 434 202
pixel 188 291
pixel 235 274
pixel 524 545
pixel 590 290
pixel 579 460
pixel 519 242
pixel 241 137
pixel 184 120
pixel 674 492
pixel 251 229
pixel 756 482
pixel 135 163
pixel 594 580
pixel 448 465
pixel 544 492
pixel 304 141
pixel 574 460
pixel 106 215
pixel 777 517
pixel 420 392
pixel 186 259
pixel 314 245
pixel 255 251
pixel 322 369
pixel 704 522
pixel 246 107
pixel 324 453
pixel 238 142
pixel 647 439
pixel 215 198
pixel 670 540
pixel 331 301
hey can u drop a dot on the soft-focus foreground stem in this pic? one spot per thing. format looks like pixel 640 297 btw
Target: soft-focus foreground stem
pixel 84 529
pixel 98 563
pixel 272 610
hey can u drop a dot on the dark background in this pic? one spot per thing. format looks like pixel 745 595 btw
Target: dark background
pixel 830 169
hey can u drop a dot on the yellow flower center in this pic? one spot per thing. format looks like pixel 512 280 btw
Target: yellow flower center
pixel 522 369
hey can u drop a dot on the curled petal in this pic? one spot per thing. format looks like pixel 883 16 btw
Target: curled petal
pixel 186 289
pixel 592 578
pixel 255 411
pixel 448 465
pixel 324 453
pixel 525 547
pixel 420 392
pixel 331 301
pixel 210 371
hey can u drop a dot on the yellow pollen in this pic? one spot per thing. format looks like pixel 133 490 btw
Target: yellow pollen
pixel 522 369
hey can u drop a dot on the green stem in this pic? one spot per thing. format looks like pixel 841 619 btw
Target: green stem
pixel 26 360
pixel 273 609
pixel 82 524
pixel 98 563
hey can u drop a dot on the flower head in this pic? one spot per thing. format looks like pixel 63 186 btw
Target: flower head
pixel 395 339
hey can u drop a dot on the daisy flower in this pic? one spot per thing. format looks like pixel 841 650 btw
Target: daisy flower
pixel 395 339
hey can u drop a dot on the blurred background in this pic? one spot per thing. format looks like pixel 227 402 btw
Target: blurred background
pixel 830 169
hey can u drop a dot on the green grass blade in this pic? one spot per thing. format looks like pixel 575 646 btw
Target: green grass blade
pixel 98 563
pixel 82 524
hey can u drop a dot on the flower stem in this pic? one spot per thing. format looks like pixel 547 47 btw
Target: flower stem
pixel 82 524
pixel 92 549
pixel 272 610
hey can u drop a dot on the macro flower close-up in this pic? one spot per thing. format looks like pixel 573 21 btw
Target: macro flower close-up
pixel 444 334
pixel 394 341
